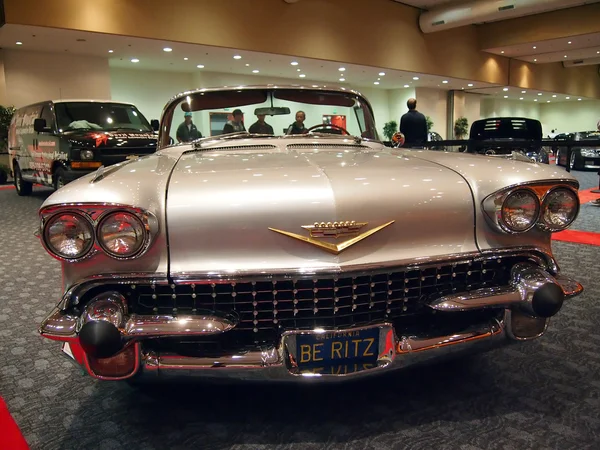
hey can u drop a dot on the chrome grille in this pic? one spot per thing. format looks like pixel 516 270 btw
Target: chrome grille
pixel 326 146
pixel 346 300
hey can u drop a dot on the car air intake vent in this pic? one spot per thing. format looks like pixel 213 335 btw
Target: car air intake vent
pixel 326 146
pixel 439 22
pixel 238 147
pixel 507 7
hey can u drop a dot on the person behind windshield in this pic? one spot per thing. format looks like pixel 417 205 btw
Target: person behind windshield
pixel 260 126
pixel 298 126
pixel 187 131
pixel 235 125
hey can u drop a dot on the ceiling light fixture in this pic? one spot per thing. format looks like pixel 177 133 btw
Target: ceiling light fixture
pixel 567 98
pixel 505 89
pixel 554 96
pixel 506 96
pixel 406 86
pixel 19 43
pixel 341 69
pixel 294 63
pixel 445 81
pixel 167 49
pixel 534 59
pixel 416 78
pixel 298 70
pixel 200 66
pixel 470 84
pixel 247 65
pixel 135 60
pixel 534 47
pixel 535 99
pixel 342 79
pixel 565 56
pixel 520 98
pixel 523 92
pixel 382 74
pixel 569 42
pixel 547 101
pixel 237 57
pixel 111 51
pixel 302 75
pixel 539 93
pixel 502 52
pixel 578 99
pixel 255 71
pixel 376 82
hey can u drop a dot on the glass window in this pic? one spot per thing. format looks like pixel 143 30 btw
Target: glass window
pixel 48 115
pixel 100 116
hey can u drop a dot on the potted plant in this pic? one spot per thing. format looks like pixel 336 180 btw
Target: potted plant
pixel 389 128
pixel 461 127
pixel 6 114
pixel 429 123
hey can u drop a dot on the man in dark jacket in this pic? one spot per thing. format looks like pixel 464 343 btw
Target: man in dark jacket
pixel 260 126
pixel 413 125
pixel 187 131
pixel 235 125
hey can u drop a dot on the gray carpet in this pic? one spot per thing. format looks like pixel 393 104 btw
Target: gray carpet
pixel 543 394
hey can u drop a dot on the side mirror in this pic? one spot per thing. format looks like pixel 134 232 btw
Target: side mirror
pixel 155 124
pixel 39 126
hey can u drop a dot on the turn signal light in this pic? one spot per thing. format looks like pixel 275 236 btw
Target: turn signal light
pixel 122 365
pixel 85 164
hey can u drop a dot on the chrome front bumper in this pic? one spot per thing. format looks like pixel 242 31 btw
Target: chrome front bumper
pixel 277 363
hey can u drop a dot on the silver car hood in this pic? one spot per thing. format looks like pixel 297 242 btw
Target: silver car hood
pixel 222 204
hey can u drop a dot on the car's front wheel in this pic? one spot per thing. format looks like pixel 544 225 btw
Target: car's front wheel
pixel 23 187
pixel 59 178
pixel 575 163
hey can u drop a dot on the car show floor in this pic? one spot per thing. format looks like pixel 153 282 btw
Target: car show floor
pixel 540 394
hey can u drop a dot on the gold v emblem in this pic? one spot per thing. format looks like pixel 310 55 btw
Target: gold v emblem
pixel 333 248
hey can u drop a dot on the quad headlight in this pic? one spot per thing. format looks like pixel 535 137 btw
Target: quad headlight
pixel 86 154
pixel 520 211
pixel 69 235
pixel 121 234
pixel 559 209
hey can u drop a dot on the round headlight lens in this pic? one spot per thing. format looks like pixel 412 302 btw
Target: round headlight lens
pixel 69 235
pixel 559 209
pixel 86 154
pixel 520 210
pixel 121 234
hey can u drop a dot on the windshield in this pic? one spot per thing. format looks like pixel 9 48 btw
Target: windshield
pixel 273 112
pixel 99 116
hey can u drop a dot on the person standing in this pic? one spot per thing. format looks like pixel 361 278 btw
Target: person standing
pixel 298 126
pixel 260 126
pixel 187 131
pixel 413 125
pixel 236 124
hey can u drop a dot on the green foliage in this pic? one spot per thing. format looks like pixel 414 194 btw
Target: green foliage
pixel 429 123
pixel 461 127
pixel 389 129
pixel 6 115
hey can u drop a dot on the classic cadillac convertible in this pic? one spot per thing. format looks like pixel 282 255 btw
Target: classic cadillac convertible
pixel 321 254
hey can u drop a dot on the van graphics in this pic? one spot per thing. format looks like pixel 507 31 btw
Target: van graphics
pixel 100 139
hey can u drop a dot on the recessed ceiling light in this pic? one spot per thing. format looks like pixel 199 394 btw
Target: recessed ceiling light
pixel 505 89
pixel 294 63
pixel 19 43
pixel 539 93
pixel 376 82
pixel 200 66
pixel 237 57
pixel 167 49
pixel 247 65
pixel 502 52
pixel 547 101
pixel 382 74
pixel 415 78
pixel 598 51
pixel 554 96
pixel 445 81
pixel 578 99
pixel 342 79
pixel 135 60
pixel 470 84
pixel 302 75
pixel 569 42
pixel 567 98
pixel 506 96
pixel 186 58
pixel 565 56
pixel 520 98
pixel 255 71
pixel 535 99
pixel 534 59
pixel 406 85
pixel 534 47
pixel 523 92
pixel 341 69
pixel 111 51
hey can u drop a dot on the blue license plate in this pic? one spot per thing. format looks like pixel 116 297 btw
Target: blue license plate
pixel 338 352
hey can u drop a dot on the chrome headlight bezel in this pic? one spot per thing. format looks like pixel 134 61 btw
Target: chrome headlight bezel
pixel 85 220
pixel 501 211
pixel 94 214
pixel 86 154
pixel 100 239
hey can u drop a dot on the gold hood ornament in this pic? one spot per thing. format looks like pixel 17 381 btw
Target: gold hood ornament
pixel 322 230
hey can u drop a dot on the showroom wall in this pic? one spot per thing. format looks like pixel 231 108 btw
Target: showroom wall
pixel 433 103
pixel 494 107
pixel 570 116
pixel 31 77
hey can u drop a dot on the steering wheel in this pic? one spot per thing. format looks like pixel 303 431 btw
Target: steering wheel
pixel 328 127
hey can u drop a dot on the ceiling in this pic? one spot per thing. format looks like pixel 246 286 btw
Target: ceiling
pixel 571 48
pixel 120 51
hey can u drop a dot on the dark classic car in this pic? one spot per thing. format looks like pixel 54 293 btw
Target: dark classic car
pixel 581 157
pixel 493 137
pixel 314 255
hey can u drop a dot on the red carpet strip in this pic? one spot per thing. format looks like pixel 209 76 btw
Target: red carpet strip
pixel 10 435
pixel 587 196
pixel 578 237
